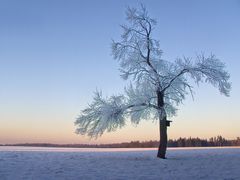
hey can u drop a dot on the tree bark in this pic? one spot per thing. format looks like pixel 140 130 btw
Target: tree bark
pixel 163 139
pixel 163 126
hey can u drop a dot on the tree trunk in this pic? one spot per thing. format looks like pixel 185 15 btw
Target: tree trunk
pixel 163 139
pixel 163 126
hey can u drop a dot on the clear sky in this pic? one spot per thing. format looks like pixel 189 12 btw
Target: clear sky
pixel 54 54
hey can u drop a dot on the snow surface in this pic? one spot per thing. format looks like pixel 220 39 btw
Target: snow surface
pixel 74 163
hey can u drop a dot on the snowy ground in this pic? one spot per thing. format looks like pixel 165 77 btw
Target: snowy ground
pixel 60 163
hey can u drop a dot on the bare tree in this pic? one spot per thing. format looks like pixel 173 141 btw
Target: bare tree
pixel 156 86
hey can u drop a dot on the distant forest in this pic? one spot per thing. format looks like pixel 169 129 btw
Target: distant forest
pixel 180 142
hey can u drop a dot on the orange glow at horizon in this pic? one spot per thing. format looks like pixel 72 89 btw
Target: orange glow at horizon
pixel 145 131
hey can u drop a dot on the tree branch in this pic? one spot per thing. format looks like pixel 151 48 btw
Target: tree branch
pixel 142 104
pixel 174 78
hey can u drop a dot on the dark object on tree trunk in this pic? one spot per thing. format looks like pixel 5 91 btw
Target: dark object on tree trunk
pixel 168 123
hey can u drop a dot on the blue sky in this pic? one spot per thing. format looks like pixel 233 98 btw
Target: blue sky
pixel 54 54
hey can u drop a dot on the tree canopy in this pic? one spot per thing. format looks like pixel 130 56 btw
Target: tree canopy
pixel 149 74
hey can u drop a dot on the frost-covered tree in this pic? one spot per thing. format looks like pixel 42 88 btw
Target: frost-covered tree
pixel 156 86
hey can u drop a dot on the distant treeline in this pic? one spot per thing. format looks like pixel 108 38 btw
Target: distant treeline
pixel 180 142
pixel 197 142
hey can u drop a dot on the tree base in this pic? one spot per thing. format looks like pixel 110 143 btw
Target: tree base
pixel 161 156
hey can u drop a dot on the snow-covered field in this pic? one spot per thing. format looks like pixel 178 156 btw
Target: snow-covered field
pixel 64 163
